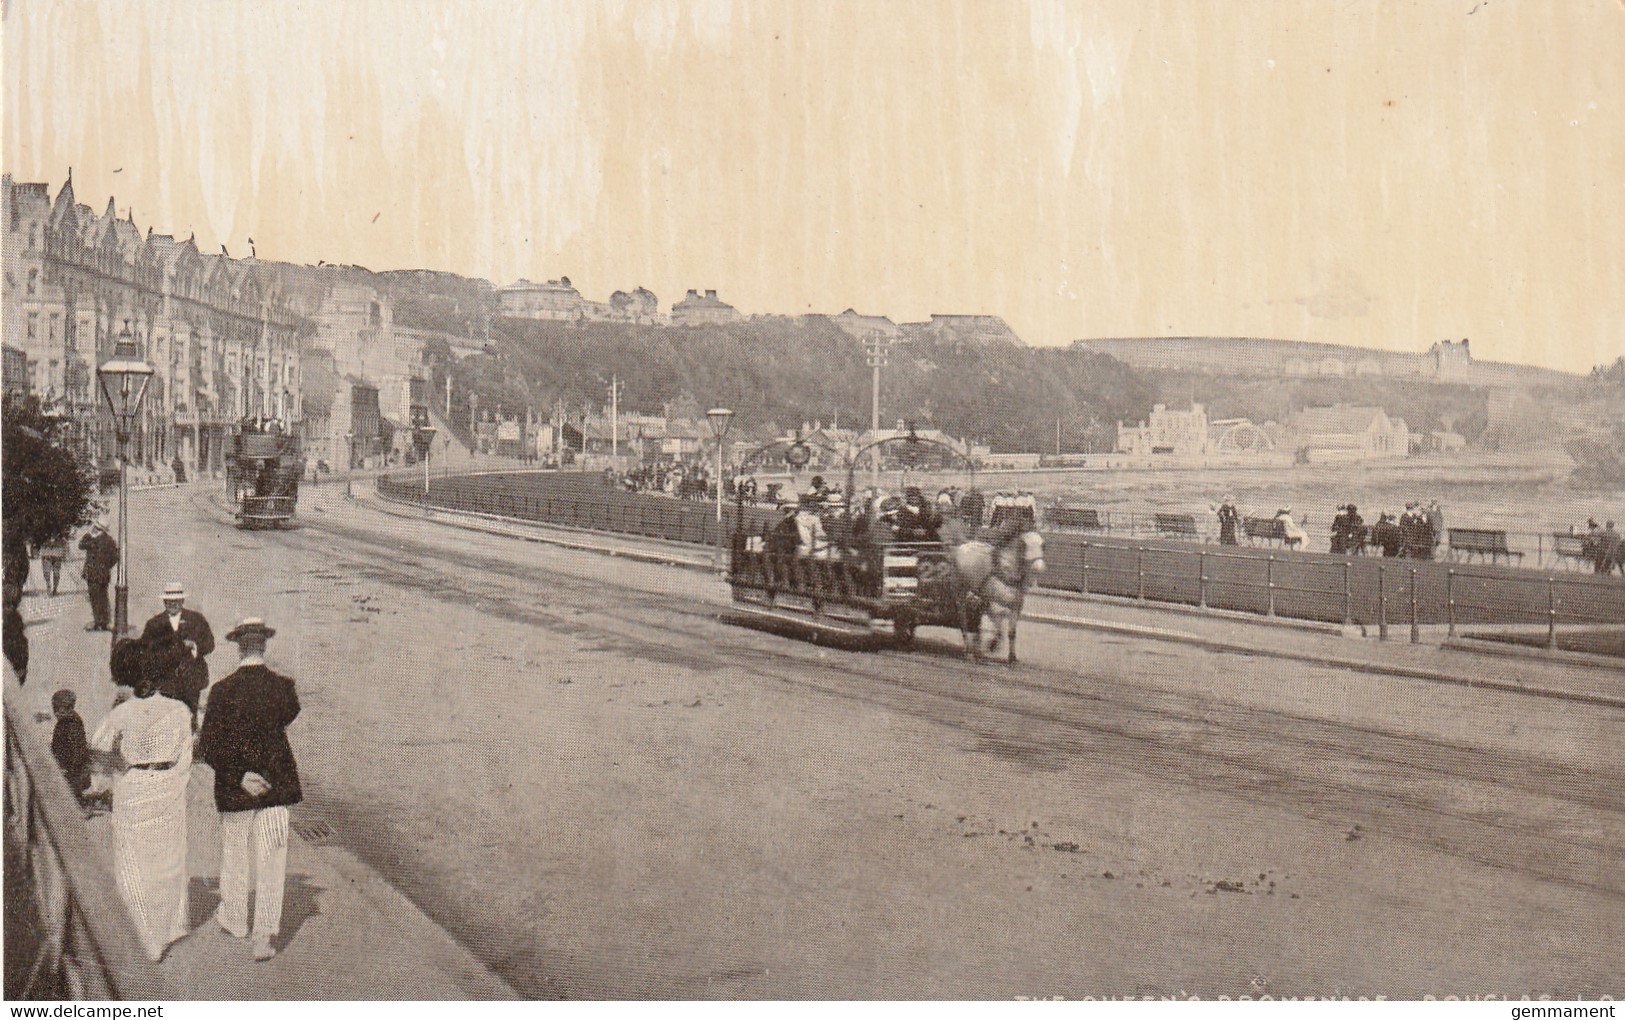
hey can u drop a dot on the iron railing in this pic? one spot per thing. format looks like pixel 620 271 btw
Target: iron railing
pixel 1549 549
pixel 1336 589
pixel 1371 591
pixel 70 922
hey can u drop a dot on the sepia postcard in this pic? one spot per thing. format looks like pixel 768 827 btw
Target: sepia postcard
pixel 673 500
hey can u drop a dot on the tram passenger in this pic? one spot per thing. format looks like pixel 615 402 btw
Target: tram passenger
pixel 782 544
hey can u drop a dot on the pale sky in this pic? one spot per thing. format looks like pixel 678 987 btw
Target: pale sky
pixel 1371 172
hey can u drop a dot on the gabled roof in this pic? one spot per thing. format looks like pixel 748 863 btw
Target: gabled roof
pixel 1340 419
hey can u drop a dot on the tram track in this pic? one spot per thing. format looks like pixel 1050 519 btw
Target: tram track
pixel 1225 747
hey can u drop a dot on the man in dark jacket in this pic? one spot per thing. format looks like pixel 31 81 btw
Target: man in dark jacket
pixel 101 556
pixel 186 633
pixel 245 741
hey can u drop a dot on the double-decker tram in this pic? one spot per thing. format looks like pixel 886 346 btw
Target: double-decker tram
pixel 263 473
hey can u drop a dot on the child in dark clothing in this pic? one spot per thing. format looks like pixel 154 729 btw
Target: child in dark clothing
pixel 68 743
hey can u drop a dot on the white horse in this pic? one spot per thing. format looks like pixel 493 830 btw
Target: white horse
pixel 994 577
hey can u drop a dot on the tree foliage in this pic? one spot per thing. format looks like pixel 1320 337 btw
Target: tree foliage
pixel 47 488
pixel 806 369
pixel 1599 460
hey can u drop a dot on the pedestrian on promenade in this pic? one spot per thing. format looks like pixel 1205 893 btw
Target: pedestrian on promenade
pixel 186 634
pixel 17 565
pixel 151 737
pixel 1229 517
pixel 1435 518
pixel 12 633
pixel 69 746
pixel 1610 550
pixel 245 740
pixel 101 556
pixel 1292 536
pixel 51 555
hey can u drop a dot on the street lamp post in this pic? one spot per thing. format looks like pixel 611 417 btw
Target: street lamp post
pixel 349 461
pixel 426 441
pixel 721 419
pixel 124 380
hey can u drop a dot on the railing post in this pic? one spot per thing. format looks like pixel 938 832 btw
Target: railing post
pixel 1348 597
pixel 1382 603
pixel 1139 569
pixel 1201 579
pixel 1416 634
pixel 1085 568
pixel 1269 585
pixel 1551 612
pixel 1450 600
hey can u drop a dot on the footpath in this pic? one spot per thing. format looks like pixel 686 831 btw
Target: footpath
pixel 347 934
pixel 1435 658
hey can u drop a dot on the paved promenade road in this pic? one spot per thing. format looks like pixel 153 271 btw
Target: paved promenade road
pixel 603 791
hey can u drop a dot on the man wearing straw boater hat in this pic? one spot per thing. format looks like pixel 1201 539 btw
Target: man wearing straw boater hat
pixel 186 635
pixel 245 741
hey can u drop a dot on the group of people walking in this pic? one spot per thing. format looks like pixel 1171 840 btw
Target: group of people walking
pixel 165 716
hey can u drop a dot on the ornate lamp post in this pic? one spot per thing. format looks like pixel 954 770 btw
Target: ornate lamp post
pixel 124 380
pixel 721 420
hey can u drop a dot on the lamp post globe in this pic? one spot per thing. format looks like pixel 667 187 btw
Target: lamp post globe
pixel 123 379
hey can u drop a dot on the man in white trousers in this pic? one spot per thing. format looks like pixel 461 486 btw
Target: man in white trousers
pixel 245 741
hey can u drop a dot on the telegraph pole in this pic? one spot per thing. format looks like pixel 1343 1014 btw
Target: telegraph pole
pixel 878 350
pixel 614 416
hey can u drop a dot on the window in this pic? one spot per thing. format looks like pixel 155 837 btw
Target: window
pixel 33 280
pixel 33 325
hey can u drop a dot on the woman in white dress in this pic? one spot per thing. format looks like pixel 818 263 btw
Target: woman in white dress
pixel 152 736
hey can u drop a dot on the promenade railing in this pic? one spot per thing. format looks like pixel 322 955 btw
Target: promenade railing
pixel 581 502
pixel 64 915
pixel 1372 592
pixel 1549 549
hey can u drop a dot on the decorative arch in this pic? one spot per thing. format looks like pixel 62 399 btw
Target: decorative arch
pixel 1245 437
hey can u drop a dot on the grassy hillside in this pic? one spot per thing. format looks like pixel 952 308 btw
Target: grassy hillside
pixel 785 371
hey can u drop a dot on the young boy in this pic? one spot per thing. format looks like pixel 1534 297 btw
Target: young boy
pixel 68 743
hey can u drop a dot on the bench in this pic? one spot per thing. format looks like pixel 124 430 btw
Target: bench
pixel 1270 529
pixel 1572 547
pixel 1177 525
pixel 1075 518
pixel 1483 543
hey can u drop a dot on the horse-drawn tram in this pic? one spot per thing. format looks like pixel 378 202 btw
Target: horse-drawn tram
pixel 263 475
pixel 828 569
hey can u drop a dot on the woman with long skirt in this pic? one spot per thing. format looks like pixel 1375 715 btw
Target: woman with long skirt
pixel 152 736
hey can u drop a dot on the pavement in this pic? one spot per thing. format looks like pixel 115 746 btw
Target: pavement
pixel 1437 657
pixel 347 934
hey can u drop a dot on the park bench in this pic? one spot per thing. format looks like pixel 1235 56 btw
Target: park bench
pixel 1483 543
pixel 1075 518
pixel 1571 547
pixel 1270 529
pixel 1176 525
